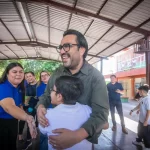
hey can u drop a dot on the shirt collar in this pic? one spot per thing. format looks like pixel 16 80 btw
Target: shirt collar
pixel 84 69
pixel 7 82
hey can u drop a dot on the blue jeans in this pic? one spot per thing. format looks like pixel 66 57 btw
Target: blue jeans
pixel 43 142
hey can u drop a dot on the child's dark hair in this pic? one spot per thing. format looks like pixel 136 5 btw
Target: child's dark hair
pixel 144 88
pixel 70 88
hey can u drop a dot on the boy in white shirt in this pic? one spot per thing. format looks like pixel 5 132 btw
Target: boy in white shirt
pixel 68 113
pixel 144 118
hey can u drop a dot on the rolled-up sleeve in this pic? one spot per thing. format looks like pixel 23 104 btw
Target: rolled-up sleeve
pixel 100 109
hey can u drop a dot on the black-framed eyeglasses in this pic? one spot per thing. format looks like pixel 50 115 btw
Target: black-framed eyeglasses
pixel 53 90
pixel 66 47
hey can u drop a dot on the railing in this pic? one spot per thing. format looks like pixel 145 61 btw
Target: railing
pixel 136 62
pixel 142 46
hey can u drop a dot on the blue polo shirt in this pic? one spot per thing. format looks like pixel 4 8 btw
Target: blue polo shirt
pixel 8 90
pixel 113 95
pixel 40 90
pixel 25 83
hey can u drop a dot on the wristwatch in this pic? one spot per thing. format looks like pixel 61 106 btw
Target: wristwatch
pixel 131 110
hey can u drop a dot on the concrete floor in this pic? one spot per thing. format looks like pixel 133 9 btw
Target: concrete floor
pixel 110 140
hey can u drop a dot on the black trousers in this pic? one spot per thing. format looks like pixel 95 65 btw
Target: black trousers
pixel 8 134
pixel 22 123
pixel 21 126
pixel 144 134
pixel 118 106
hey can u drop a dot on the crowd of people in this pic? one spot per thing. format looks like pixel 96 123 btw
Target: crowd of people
pixel 69 107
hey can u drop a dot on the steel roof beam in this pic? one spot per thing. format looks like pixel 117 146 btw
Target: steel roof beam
pixel 77 10
pixel 27 14
pixel 123 37
pixel 24 51
pixel 21 19
pixel 7 29
pixel 48 18
pixel 32 58
pixel 36 44
pixel 130 10
pixel 12 51
pixel 102 7
pixel 29 43
pixel 97 14
pixel 4 54
pixel 71 15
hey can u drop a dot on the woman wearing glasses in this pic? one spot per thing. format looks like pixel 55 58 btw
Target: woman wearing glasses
pixel 11 97
pixel 44 77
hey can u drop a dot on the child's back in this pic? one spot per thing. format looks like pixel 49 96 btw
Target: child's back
pixel 71 117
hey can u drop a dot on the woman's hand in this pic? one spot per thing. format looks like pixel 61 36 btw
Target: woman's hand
pixel 32 126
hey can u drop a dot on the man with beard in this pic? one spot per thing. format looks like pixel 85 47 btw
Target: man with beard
pixel 73 51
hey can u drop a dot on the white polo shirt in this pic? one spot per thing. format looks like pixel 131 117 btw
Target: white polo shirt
pixel 144 107
pixel 70 117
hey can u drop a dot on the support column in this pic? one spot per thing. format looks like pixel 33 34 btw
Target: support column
pixel 101 65
pixel 147 56
pixel 132 87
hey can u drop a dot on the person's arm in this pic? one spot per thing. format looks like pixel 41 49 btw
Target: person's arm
pixel 45 130
pixel 147 104
pixel 134 109
pixel 100 108
pixel 147 118
pixel 10 107
pixel 120 90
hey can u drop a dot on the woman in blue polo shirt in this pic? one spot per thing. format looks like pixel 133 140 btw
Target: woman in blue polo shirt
pixel 44 77
pixel 11 97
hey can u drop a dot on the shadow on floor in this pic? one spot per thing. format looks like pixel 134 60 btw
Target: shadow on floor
pixel 108 140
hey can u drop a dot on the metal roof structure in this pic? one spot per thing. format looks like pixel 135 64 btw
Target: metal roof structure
pixel 33 28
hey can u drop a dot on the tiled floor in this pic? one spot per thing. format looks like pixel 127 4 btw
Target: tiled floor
pixel 117 140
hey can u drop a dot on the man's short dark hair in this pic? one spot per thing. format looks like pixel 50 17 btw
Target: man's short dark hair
pixel 144 88
pixel 80 39
pixel 113 76
pixel 70 88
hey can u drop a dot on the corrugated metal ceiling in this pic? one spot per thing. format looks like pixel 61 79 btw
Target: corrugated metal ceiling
pixel 47 23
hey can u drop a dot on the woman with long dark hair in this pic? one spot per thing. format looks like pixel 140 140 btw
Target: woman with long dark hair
pixel 11 97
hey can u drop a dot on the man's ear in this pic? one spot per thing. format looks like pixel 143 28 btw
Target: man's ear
pixel 82 51
pixel 59 97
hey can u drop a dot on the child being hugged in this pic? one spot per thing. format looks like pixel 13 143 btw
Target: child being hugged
pixel 68 113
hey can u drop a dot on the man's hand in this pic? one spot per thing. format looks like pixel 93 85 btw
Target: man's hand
pixel 118 91
pixel 145 123
pixel 67 138
pixel 41 112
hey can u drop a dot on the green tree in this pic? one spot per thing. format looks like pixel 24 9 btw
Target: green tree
pixel 32 65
